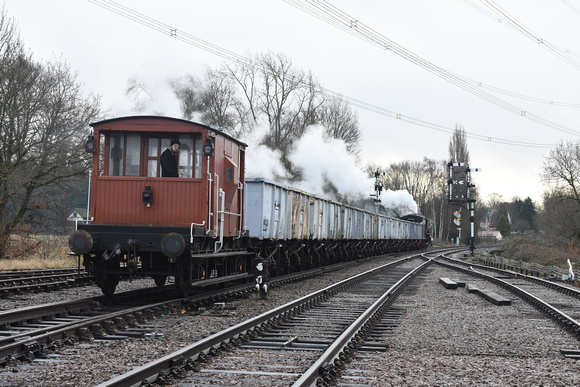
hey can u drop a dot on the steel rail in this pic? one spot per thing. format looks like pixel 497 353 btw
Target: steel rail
pixel 149 372
pixel 24 273
pixel 332 356
pixel 33 341
pixel 18 344
pixel 567 322
pixel 13 283
pixel 550 284
pixel 31 312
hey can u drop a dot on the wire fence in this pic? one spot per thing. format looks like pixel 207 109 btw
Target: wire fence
pixel 534 269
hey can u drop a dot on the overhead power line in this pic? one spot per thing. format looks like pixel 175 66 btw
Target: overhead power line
pixel 518 95
pixel 169 30
pixel 178 34
pixel 572 6
pixel 440 128
pixel 334 16
pixel 495 12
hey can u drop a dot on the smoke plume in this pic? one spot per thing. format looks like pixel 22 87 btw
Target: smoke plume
pixel 328 170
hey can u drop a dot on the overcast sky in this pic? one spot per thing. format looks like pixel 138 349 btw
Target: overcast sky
pixel 518 80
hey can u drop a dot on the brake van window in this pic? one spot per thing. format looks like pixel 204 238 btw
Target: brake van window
pixel 124 154
pixel 188 157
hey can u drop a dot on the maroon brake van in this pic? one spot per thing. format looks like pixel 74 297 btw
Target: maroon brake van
pixel 152 225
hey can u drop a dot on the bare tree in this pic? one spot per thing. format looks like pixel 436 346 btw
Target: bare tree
pixel 561 174
pixel 222 107
pixel 560 217
pixel 436 206
pixel 247 77
pixel 139 93
pixel 290 100
pixel 341 122
pixel 44 121
pixel 287 98
pixel 267 88
pixel 561 170
pixel 458 152
pixel 214 101
pixel 426 181
pixel 188 91
pixel 494 200
pixel 417 177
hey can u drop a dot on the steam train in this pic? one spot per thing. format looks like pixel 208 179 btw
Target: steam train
pixel 211 225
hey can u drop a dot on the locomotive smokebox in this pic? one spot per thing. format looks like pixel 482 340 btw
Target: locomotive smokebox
pixel 80 242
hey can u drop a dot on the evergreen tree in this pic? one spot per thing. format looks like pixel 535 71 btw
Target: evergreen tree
pixel 503 226
pixel 524 212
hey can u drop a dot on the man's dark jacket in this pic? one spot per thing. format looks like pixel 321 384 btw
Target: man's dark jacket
pixel 168 164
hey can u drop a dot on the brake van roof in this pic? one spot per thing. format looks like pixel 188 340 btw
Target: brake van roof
pixel 143 120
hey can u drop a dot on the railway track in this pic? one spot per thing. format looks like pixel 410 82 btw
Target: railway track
pixel 365 364
pixel 559 301
pixel 451 336
pixel 32 331
pixel 28 332
pixel 21 281
pixel 310 341
pixel 298 342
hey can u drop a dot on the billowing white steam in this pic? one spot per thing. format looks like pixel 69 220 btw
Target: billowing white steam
pixel 321 161
pixel 262 161
pixel 401 200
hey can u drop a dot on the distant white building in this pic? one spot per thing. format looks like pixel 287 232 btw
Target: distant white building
pixel 489 234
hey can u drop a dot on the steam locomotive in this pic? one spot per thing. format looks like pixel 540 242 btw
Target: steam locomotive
pixel 212 225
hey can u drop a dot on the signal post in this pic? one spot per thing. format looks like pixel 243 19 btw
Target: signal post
pixel 459 193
